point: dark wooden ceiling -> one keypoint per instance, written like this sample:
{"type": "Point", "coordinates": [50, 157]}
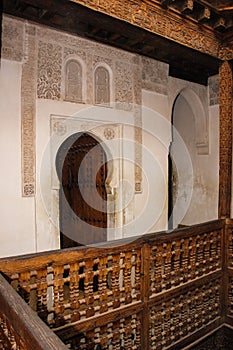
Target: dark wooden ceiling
{"type": "Point", "coordinates": [184, 62]}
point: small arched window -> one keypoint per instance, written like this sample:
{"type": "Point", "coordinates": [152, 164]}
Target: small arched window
{"type": "Point", "coordinates": [102, 86]}
{"type": "Point", "coordinates": [73, 86]}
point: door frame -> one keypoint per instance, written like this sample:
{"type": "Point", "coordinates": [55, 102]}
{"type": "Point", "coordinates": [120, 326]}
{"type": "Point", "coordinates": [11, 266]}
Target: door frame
{"type": "Point", "coordinates": [61, 129]}
{"type": "Point", "coordinates": [66, 147]}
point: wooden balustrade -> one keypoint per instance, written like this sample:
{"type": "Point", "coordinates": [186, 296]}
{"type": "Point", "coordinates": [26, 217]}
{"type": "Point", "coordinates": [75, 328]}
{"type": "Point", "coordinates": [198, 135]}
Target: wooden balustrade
{"type": "Point", "coordinates": [20, 327]}
{"type": "Point", "coordinates": [161, 291]}
{"type": "Point", "coordinates": [229, 273]}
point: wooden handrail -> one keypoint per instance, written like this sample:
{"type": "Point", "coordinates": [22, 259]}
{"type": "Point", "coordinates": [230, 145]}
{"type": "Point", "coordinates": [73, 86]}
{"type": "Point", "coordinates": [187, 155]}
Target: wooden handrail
{"type": "Point", "coordinates": [41, 260]}
{"type": "Point", "coordinates": [151, 292]}
{"type": "Point", "coordinates": [26, 326]}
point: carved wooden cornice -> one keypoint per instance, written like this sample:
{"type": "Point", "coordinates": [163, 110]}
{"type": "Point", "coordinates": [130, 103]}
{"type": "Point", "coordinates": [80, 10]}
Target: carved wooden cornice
{"type": "Point", "coordinates": [168, 23]}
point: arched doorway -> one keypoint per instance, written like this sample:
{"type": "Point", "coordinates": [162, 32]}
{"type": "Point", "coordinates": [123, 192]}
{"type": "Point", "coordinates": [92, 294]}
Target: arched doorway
{"type": "Point", "coordinates": [183, 135]}
{"type": "Point", "coordinates": [189, 161]}
{"type": "Point", "coordinates": [81, 164]}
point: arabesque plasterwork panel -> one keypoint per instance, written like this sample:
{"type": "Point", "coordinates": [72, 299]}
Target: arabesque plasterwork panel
{"type": "Point", "coordinates": [130, 74]}
{"type": "Point", "coordinates": [49, 70]}
{"type": "Point", "coordinates": [125, 79]}
{"type": "Point", "coordinates": [28, 111]}
{"type": "Point", "coordinates": [124, 86]}
{"type": "Point", "coordinates": [19, 45]}
{"type": "Point", "coordinates": [154, 75]}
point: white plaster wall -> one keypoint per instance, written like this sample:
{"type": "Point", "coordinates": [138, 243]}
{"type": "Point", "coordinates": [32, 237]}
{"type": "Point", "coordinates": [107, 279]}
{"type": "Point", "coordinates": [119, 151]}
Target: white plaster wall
{"type": "Point", "coordinates": [47, 144]}
{"type": "Point", "coordinates": [152, 203]}
{"type": "Point", "coordinates": [204, 193]}
{"type": "Point", "coordinates": [46, 225]}
{"type": "Point", "coordinates": [213, 169]}
{"type": "Point", "coordinates": [17, 233]}
{"type": "Point", "coordinates": [22, 233]}
{"type": "Point", "coordinates": [32, 228]}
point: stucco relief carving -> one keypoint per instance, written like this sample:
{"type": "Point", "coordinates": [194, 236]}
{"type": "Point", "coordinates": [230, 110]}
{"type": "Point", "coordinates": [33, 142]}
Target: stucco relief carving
{"type": "Point", "coordinates": [68, 52]}
{"type": "Point", "coordinates": [59, 127]}
{"type": "Point", "coordinates": [12, 39]}
{"type": "Point", "coordinates": [123, 86]}
{"type": "Point", "coordinates": [106, 52]}
{"type": "Point", "coordinates": [18, 44]}
{"type": "Point", "coordinates": [103, 87]}
{"type": "Point", "coordinates": [73, 81]}
{"type": "Point", "coordinates": [28, 110]}
{"type": "Point", "coordinates": [154, 75]}
{"type": "Point", "coordinates": [49, 71]}
{"type": "Point", "coordinates": [109, 133]}
{"type": "Point", "coordinates": [100, 59]}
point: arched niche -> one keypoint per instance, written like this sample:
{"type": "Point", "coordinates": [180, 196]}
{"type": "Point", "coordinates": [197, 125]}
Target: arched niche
{"type": "Point", "coordinates": [103, 85]}
{"type": "Point", "coordinates": [74, 80]}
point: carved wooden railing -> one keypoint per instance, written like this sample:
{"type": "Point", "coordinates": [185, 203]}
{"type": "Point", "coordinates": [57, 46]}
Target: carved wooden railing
{"type": "Point", "coordinates": [161, 291]}
{"type": "Point", "coordinates": [229, 273]}
{"type": "Point", "coordinates": [20, 327]}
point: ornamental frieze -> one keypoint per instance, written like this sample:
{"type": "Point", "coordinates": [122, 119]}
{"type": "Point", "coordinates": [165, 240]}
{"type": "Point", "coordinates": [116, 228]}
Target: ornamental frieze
{"type": "Point", "coordinates": [28, 112]}
{"type": "Point", "coordinates": [159, 21]}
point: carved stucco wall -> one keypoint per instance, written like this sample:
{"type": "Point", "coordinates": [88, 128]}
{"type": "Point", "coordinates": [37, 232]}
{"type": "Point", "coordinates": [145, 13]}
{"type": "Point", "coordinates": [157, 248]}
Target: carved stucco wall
{"type": "Point", "coordinates": [44, 52]}
{"type": "Point", "coordinates": [18, 44]}
{"type": "Point", "coordinates": [154, 76]}
{"type": "Point", "coordinates": [12, 39]}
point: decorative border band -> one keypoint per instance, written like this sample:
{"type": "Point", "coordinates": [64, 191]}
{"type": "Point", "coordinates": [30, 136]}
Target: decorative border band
{"type": "Point", "coordinates": [28, 111]}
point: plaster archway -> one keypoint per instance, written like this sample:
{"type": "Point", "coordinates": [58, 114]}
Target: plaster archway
{"type": "Point", "coordinates": [64, 128]}
{"type": "Point", "coordinates": [190, 121]}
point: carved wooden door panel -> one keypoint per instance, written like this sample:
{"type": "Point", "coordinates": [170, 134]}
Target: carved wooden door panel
{"type": "Point", "coordinates": [82, 169]}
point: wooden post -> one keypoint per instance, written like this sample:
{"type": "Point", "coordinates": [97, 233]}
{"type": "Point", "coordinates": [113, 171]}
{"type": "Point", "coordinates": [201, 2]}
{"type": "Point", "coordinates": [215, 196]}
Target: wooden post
{"type": "Point", "coordinates": [225, 142]}
{"type": "Point", "coordinates": [145, 289]}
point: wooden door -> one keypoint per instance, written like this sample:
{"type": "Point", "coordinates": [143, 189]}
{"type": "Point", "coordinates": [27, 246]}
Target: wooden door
{"type": "Point", "coordinates": [82, 170]}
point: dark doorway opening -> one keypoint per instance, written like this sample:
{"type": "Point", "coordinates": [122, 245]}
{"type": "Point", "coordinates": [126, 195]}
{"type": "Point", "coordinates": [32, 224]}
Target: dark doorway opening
{"type": "Point", "coordinates": [82, 170]}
